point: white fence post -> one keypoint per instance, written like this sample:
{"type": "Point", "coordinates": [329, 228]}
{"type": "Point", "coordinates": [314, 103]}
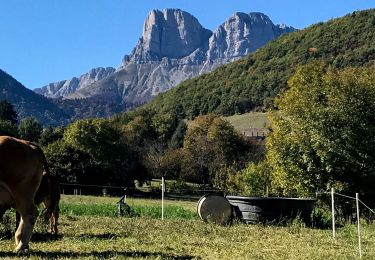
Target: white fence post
{"type": "Point", "coordinates": [162, 197]}
{"type": "Point", "coordinates": [333, 213]}
{"type": "Point", "coordinates": [358, 226]}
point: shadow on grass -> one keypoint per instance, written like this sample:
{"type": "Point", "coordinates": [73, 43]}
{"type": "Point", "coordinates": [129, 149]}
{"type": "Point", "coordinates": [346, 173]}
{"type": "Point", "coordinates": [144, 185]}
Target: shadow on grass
{"type": "Point", "coordinates": [99, 255]}
{"type": "Point", "coordinates": [104, 236]}
{"type": "Point", "coordinates": [36, 237]}
{"type": "Point", "coordinates": [45, 237]}
{"type": "Point", "coordinates": [6, 235]}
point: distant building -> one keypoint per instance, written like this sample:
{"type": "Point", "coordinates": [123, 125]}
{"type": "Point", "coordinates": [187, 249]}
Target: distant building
{"type": "Point", "coordinates": [255, 133]}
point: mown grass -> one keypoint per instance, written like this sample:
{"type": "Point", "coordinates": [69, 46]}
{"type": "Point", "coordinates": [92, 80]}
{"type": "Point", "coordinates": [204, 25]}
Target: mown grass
{"type": "Point", "coordinates": [248, 120]}
{"type": "Point", "coordinates": [94, 237]}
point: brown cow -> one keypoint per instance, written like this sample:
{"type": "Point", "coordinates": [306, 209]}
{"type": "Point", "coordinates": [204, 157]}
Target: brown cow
{"type": "Point", "coordinates": [21, 168]}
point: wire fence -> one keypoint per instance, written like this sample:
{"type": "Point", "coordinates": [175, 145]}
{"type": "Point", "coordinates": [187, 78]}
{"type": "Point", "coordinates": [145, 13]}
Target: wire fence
{"type": "Point", "coordinates": [195, 193]}
{"type": "Point", "coordinates": [146, 192]}
{"type": "Point", "coordinates": [358, 202]}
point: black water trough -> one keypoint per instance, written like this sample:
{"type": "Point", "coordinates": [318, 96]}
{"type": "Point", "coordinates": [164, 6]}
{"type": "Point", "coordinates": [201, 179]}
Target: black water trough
{"type": "Point", "coordinates": [271, 209]}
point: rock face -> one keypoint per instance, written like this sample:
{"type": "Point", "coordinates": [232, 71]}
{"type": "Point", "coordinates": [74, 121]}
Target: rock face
{"type": "Point", "coordinates": [66, 87]}
{"type": "Point", "coordinates": [174, 46]}
{"type": "Point", "coordinates": [242, 34]}
{"type": "Point", "coordinates": [172, 33]}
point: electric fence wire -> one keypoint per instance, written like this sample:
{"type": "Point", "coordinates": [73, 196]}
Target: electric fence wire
{"type": "Point", "coordinates": [372, 211]}
{"type": "Point", "coordinates": [348, 197]}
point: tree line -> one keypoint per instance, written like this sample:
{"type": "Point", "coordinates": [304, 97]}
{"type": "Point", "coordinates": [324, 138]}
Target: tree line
{"type": "Point", "coordinates": [137, 146]}
{"type": "Point", "coordinates": [321, 136]}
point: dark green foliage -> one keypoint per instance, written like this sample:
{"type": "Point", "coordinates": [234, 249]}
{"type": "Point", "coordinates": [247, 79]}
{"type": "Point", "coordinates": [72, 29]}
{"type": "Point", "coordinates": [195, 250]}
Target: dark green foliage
{"type": "Point", "coordinates": [253, 82]}
{"type": "Point", "coordinates": [50, 135]}
{"type": "Point", "coordinates": [211, 146]}
{"type": "Point", "coordinates": [178, 136]}
{"type": "Point", "coordinates": [111, 159]}
{"type": "Point", "coordinates": [8, 119]}
{"type": "Point", "coordinates": [7, 128]}
{"type": "Point", "coordinates": [7, 112]}
{"type": "Point", "coordinates": [89, 107]}
{"type": "Point", "coordinates": [30, 129]}
{"type": "Point", "coordinates": [67, 162]}
{"type": "Point", "coordinates": [150, 133]}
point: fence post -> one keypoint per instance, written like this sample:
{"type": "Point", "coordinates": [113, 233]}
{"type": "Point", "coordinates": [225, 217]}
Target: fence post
{"type": "Point", "coordinates": [333, 213]}
{"type": "Point", "coordinates": [358, 226]}
{"type": "Point", "coordinates": [162, 197]}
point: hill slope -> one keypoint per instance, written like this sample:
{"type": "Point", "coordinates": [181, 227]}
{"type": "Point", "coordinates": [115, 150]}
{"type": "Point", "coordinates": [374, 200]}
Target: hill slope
{"type": "Point", "coordinates": [28, 104]}
{"type": "Point", "coordinates": [252, 83]}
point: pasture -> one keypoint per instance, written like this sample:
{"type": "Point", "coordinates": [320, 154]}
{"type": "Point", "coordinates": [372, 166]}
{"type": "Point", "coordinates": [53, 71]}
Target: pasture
{"type": "Point", "coordinates": [248, 120]}
{"type": "Point", "coordinates": [95, 232]}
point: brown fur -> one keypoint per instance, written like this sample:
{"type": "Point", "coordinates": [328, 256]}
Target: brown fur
{"type": "Point", "coordinates": [21, 168]}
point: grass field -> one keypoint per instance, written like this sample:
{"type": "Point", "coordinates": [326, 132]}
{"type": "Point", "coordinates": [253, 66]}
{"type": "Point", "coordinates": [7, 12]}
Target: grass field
{"type": "Point", "coordinates": [86, 236]}
{"type": "Point", "coordinates": [248, 120]}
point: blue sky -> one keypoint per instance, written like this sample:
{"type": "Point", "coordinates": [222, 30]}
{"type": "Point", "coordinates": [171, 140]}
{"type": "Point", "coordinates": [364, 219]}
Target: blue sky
{"type": "Point", "coordinates": [43, 41]}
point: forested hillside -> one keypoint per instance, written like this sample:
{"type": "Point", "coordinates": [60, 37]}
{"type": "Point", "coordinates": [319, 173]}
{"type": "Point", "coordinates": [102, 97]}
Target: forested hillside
{"type": "Point", "coordinates": [253, 82]}
{"type": "Point", "coordinates": [29, 104]}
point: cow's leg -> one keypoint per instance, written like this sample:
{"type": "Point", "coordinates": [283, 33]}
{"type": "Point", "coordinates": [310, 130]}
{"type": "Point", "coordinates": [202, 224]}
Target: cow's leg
{"type": "Point", "coordinates": [18, 219]}
{"type": "Point", "coordinates": [54, 221]}
{"type": "Point", "coordinates": [29, 214]}
{"type": "Point", "coordinates": [51, 228]}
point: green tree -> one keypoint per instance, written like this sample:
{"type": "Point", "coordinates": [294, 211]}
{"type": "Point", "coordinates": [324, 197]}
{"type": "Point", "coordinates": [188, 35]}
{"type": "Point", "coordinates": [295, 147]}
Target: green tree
{"type": "Point", "coordinates": [8, 119]}
{"type": "Point", "coordinates": [70, 164]}
{"type": "Point", "coordinates": [7, 128]}
{"type": "Point", "coordinates": [30, 129]}
{"type": "Point", "coordinates": [178, 136]}
{"type": "Point", "coordinates": [7, 112]}
{"type": "Point", "coordinates": [323, 133]}
{"type": "Point", "coordinates": [254, 180]}
{"type": "Point", "coordinates": [50, 135]}
{"type": "Point", "coordinates": [112, 159]}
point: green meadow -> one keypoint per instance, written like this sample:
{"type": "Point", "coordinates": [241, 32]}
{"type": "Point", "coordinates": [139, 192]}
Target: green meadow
{"type": "Point", "coordinates": [96, 232]}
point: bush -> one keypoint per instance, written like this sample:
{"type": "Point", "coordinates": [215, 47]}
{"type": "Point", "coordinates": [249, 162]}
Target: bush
{"type": "Point", "coordinates": [321, 218]}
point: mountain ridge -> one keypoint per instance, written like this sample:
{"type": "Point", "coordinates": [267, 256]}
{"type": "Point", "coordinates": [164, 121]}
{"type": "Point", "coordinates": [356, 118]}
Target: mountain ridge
{"type": "Point", "coordinates": [29, 104]}
{"type": "Point", "coordinates": [173, 47]}
{"type": "Point", "coordinates": [252, 83]}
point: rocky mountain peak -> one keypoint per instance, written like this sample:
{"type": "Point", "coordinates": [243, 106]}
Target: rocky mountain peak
{"type": "Point", "coordinates": [173, 47]}
{"type": "Point", "coordinates": [170, 33]}
{"type": "Point", "coordinates": [66, 87]}
{"type": "Point", "coordinates": [242, 34]}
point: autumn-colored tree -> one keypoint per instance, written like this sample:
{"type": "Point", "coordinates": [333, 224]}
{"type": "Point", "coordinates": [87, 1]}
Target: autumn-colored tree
{"type": "Point", "coordinates": [210, 145]}
{"type": "Point", "coordinates": [323, 134]}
